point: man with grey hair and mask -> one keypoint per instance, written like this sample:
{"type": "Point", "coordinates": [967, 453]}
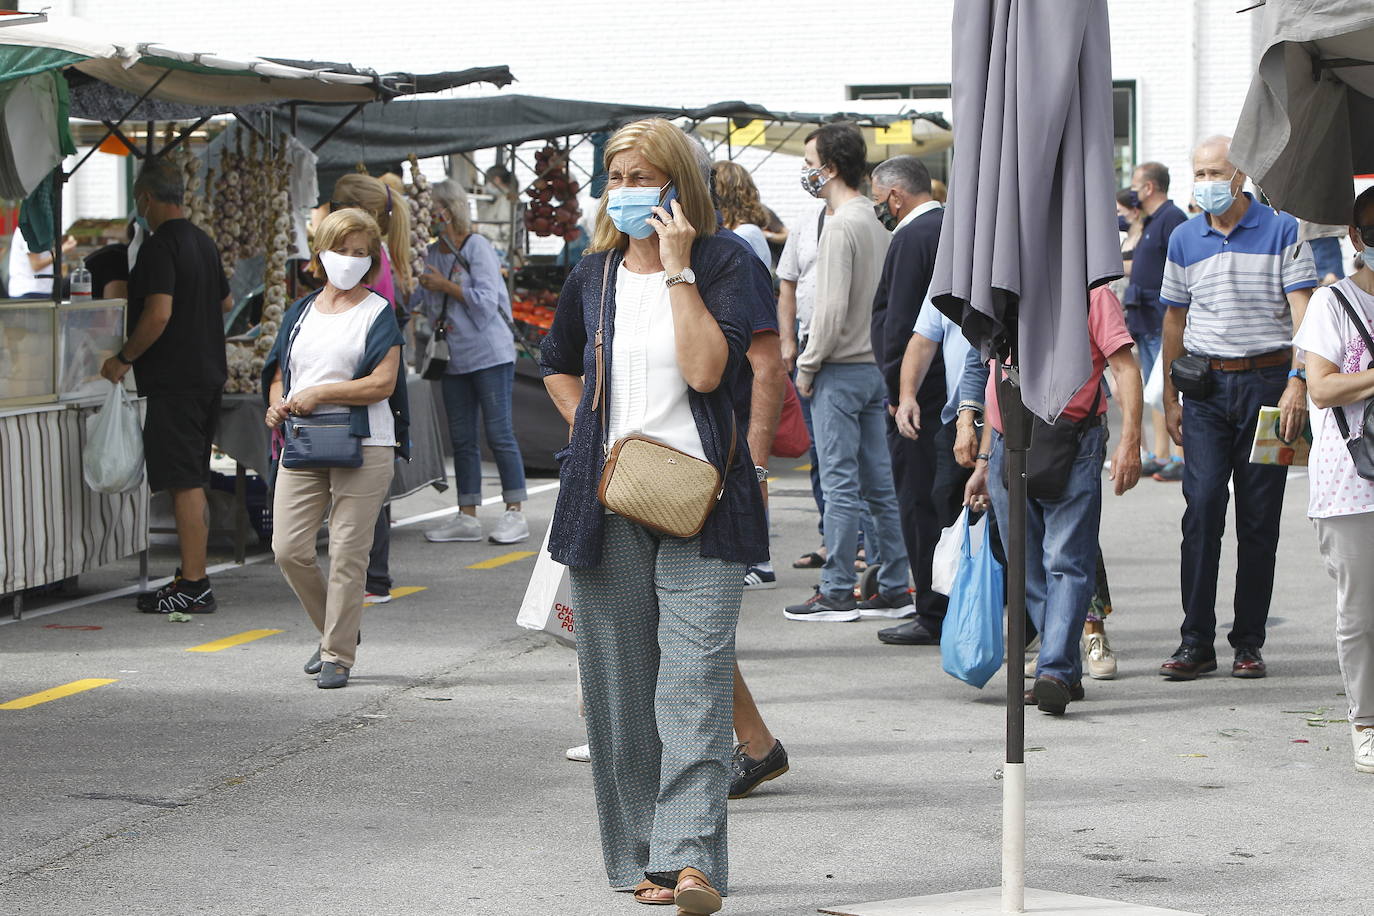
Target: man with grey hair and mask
{"type": "Point", "coordinates": [177, 296]}
{"type": "Point", "coordinates": [1235, 288]}
{"type": "Point", "coordinates": [901, 188]}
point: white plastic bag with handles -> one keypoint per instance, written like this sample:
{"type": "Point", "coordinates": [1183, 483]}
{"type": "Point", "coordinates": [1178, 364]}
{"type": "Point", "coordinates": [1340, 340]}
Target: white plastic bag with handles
{"type": "Point", "coordinates": [949, 551]}
{"type": "Point", "coordinates": [112, 461]}
{"type": "Point", "coordinates": [548, 598]}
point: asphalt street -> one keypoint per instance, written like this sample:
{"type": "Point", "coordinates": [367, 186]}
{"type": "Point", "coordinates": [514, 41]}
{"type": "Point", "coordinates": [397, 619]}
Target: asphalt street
{"type": "Point", "coordinates": [224, 782]}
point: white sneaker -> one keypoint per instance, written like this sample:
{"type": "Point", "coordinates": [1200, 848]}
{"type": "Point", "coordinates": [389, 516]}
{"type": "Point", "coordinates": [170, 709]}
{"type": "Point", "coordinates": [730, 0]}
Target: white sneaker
{"type": "Point", "coordinates": [1364, 749]}
{"type": "Point", "coordinates": [512, 529]}
{"type": "Point", "coordinates": [376, 598]}
{"type": "Point", "coordinates": [462, 528]}
{"type": "Point", "coordinates": [582, 753]}
{"type": "Point", "coordinates": [1097, 651]}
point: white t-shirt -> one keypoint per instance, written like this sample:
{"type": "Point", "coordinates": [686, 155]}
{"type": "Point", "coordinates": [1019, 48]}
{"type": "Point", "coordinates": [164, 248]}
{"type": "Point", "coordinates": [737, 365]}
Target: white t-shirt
{"type": "Point", "coordinates": [1327, 331]}
{"type": "Point", "coordinates": [798, 264]}
{"type": "Point", "coordinates": [648, 393]}
{"type": "Point", "coordinates": [22, 279]}
{"type": "Point", "coordinates": [329, 348]}
{"type": "Point", "coordinates": [754, 236]}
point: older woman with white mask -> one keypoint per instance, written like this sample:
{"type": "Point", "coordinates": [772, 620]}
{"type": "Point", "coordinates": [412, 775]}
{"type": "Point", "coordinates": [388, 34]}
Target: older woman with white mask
{"type": "Point", "coordinates": [335, 370]}
{"type": "Point", "coordinates": [1340, 383]}
{"type": "Point", "coordinates": [465, 298]}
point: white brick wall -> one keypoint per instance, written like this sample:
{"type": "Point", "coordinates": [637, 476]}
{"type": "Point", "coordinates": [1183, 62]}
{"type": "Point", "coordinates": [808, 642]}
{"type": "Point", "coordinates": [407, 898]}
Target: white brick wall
{"type": "Point", "coordinates": [1191, 59]}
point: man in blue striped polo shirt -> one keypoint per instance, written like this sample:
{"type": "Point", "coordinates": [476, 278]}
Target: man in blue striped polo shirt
{"type": "Point", "coordinates": [1236, 285]}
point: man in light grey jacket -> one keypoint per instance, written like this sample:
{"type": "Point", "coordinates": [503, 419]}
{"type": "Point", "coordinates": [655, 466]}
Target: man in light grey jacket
{"type": "Point", "coordinates": [838, 371]}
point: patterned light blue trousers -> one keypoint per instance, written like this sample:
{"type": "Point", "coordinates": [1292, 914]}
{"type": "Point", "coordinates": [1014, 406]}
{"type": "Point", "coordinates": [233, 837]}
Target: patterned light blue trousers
{"type": "Point", "coordinates": [656, 648]}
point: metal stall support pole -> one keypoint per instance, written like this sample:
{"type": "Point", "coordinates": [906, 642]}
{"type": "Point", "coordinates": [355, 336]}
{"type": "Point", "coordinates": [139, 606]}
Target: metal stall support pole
{"type": "Point", "coordinates": [1016, 423]}
{"type": "Point", "coordinates": [512, 196]}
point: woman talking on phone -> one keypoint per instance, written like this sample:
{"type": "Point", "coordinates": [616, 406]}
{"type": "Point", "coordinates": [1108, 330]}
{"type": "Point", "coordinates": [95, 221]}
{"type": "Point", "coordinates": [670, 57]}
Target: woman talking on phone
{"type": "Point", "coordinates": [650, 332]}
{"type": "Point", "coordinates": [331, 384]}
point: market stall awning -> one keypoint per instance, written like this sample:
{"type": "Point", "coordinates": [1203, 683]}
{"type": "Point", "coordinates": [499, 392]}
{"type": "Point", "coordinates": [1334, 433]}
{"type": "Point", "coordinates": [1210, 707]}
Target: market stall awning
{"type": "Point", "coordinates": [179, 76]}
{"type": "Point", "coordinates": [1307, 125]}
{"type": "Point", "coordinates": [890, 128]}
{"type": "Point", "coordinates": [383, 134]}
{"type": "Point", "coordinates": [380, 135]}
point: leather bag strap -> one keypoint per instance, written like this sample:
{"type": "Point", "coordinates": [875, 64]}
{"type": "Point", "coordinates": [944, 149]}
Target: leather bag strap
{"type": "Point", "coordinates": [1339, 412]}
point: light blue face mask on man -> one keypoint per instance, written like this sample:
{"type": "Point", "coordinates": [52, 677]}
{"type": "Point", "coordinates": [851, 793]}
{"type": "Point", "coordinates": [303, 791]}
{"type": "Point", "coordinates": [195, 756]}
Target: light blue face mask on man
{"type": "Point", "coordinates": [1214, 196]}
{"type": "Point", "coordinates": [632, 208]}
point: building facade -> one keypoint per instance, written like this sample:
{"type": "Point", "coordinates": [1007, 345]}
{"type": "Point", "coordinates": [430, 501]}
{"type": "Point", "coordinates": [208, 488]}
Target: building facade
{"type": "Point", "coordinates": [1181, 67]}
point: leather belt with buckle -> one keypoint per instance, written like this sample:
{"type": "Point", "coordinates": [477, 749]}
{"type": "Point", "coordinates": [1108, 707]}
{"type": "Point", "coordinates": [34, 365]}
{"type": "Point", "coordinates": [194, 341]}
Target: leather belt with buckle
{"type": "Point", "coordinates": [1248, 363]}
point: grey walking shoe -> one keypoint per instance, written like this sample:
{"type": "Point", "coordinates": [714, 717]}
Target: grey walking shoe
{"type": "Point", "coordinates": [313, 666]}
{"type": "Point", "coordinates": [512, 529]}
{"type": "Point", "coordinates": [462, 528]}
{"type": "Point", "coordinates": [332, 676]}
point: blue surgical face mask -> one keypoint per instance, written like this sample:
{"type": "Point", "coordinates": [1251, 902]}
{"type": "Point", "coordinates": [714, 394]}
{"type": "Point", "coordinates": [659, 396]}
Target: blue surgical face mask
{"type": "Point", "coordinates": [632, 208]}
{"type": "Point", "coordinates": [1214, 196]}
{"type": "Point", "coordinates": [1368, 257]}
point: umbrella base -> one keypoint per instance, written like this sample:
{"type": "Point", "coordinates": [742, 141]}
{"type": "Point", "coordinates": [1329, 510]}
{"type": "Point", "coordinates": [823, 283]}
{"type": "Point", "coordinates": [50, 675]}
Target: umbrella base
{"type": "Point", "coordinates": [988, 902]}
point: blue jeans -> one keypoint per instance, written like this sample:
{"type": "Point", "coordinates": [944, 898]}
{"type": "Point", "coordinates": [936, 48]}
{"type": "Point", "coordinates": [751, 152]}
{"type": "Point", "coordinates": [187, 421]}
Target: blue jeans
{"type": "Point", "coordinates": [1218, 432]}
{"type": "Point", "coordinates": [1061, 552]}
{"type": "Point", "coordinates": [856, 471]}
{"type": "Point", "coordinates": [490, 391]}
{"type": "Point", "coordinates": [1147, 348]}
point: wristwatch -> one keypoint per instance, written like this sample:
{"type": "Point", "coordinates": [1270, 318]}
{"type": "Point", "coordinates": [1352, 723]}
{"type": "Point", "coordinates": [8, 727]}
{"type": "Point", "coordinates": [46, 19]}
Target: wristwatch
{"type": "Point", "coordinates": [761, 473]}
{"type": "Point", "coordinates": [119, 355]}
{"type": "Point", "coordinates": [687, 276]}
{"type": "Point", "coordinates": [1300, 372]}
{"type": "Point", "coordinates": [982, 456]}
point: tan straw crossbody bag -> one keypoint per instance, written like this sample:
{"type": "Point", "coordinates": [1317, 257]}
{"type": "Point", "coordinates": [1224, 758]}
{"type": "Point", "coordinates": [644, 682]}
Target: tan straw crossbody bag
{"type": "Point", "coordinates": [647, 481]}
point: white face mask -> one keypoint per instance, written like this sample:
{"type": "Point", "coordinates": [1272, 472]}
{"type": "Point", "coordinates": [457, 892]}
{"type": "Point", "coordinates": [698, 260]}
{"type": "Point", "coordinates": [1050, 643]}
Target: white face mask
{"type": "Point", "coordinates": [344, 272]}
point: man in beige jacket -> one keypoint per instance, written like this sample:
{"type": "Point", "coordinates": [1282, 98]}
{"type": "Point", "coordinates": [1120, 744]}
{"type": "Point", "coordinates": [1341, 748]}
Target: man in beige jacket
{"type": "Point", "coordinates": [838, 371]}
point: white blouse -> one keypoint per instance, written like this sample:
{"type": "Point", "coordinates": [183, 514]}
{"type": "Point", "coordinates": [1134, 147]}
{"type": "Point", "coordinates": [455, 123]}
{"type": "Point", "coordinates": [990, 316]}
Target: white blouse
{"type": "Point", "coordinates": [648, 394]}
{"type": "Point", "coordinates": [329, 348]}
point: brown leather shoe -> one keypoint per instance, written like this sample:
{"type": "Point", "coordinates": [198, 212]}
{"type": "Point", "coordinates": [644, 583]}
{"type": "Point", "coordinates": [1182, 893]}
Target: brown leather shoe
{"type": "Point", "coordinates": [1075, 693]}
{"type": "Point", "coordinates": [1187, 663]}
{"type": "Point", "coordinates": [1248, 664]}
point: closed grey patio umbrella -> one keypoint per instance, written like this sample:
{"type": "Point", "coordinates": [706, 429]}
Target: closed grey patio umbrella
{"type": "Point", "coordinates": [1029, 229]}
{"type": "Point", "coordinates": [1307, 125]}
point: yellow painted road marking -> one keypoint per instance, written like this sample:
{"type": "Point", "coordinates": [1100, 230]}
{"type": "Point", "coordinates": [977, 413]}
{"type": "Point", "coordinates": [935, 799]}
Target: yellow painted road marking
{"type": "Point", "coordinates": [802, 467]}
{"type": "Point", "coordinates": [229, 642]}
{"type": "Point", "coordinates": [513, 557]}
{"type": "Point", "coordinates": [58, 693]}
{"type": "Point", "coordinates": [400, 593]}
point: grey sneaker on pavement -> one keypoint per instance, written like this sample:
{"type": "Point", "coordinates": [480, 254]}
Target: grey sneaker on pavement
{"type": "Point", "coordinates": [462, 528]}
{"type": "Point", "coordinates": [888, 607]}
{"type": "Point", "coordinates": [332, 676]}
{"type": "Point", "coordinates": [512, 529]}
{"type": "Point", "coordinates": [581, 754]}
{"type": "Point", "coordinates": [1363, 739]}
{"type": "Point", "coordinates": [823, 608]}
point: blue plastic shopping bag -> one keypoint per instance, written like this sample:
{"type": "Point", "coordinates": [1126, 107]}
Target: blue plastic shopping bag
{"type": "Point", "coordinates": [971, 644]}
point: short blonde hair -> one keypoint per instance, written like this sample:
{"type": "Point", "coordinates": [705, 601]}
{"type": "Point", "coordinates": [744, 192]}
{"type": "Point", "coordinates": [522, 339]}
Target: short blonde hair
{"type": "Point", "coordinates": [670, 151]}
{"type": "Point", "coordinates": [338, 226]}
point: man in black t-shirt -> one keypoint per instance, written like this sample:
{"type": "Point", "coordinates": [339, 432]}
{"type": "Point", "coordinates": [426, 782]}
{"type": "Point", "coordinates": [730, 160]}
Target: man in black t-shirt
{"type": "Point", "coordinates": [177, 296]}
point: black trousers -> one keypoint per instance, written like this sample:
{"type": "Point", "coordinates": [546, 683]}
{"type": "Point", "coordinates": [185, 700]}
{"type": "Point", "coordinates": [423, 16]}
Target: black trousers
{"type": "Point", "coordinates": [913, 473]}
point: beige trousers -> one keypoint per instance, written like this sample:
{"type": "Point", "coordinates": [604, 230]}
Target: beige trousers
{"type": "Point", "coordinates": [1345, 543]}
{"type": "Point", "coordinates": [352, 497]}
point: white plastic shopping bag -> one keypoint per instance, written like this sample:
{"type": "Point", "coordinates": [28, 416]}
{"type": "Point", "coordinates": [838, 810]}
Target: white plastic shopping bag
{"type": "Point", "coordinates": [548, 598]}
{"type": "Point", "coordinates": [1154, 387]}
{"type": "Point", "coordinates": [949, 551]}
{"type": "Point", "coordinates": [112, 461]}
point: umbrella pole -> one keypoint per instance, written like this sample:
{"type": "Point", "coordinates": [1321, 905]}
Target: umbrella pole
{"type": "Point", "coordinates": [1016, 425]}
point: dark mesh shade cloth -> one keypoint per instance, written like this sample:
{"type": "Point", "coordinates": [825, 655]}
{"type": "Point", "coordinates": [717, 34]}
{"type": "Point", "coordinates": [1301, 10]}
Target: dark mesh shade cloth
{"type": "Point", "coordinates": [1030, 226]}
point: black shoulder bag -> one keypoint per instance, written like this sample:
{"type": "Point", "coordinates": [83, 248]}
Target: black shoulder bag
{"type": "Point", "coordinates": [1053, 450]}
{"type": "Point", "coordinates": [321, 440]}
{"type": "Point", "coordinates": [1361, 449]}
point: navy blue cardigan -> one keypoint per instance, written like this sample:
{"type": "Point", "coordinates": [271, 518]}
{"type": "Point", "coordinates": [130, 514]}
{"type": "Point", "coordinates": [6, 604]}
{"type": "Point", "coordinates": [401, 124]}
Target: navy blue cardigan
{"type": "Point", "coordinates": [735, 531]}
{"type": "Point", "coordinates": [384, 334]}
